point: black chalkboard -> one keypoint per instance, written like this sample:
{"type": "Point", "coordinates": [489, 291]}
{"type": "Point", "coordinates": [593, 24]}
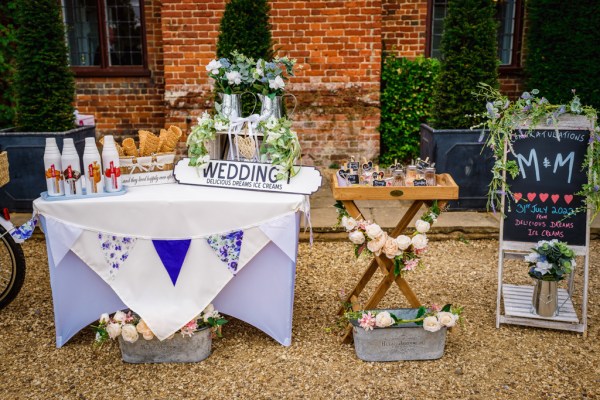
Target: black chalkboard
{"type": "Point", "coordinates": [550, 175]}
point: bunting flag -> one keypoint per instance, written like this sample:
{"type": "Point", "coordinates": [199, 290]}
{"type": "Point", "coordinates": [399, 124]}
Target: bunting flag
{"type": "Point", "coordinates": [25, 231]}
{"type": "Point", "coordinates": [227, 247]}
{"type": "Point", "coordinates": [115, 249]}
{"type": "Point", "coordinates": [172, 254]}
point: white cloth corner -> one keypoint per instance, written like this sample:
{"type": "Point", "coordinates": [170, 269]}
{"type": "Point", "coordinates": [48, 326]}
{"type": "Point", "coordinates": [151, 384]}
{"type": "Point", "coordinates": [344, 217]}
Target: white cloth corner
{"type": "Point", "coordinates": [279, 232]}
{"type": "Point", "coordinates": [60, 237]}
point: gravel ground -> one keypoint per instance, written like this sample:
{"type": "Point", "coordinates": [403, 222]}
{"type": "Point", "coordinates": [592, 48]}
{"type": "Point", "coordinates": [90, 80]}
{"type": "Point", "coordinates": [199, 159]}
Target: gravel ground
{"type": "Point", "coordinates": [480, 362]}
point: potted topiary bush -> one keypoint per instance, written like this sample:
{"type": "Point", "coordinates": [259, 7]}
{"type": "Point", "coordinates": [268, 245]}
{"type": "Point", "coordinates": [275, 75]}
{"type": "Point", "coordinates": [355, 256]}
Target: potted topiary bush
{"type": "Point", "coordinates": [44, 90]}
{"type": "Point", "coordinates": [469, 56]}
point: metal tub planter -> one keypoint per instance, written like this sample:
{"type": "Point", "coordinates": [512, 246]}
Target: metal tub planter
{"type": "Point", "coordinates": [407, 341]}
{"type": "Point", "coordinates": [179, 349]}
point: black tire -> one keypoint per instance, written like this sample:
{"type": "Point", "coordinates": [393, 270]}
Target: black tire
{"type": "Point", "coordinates": [12, 268]}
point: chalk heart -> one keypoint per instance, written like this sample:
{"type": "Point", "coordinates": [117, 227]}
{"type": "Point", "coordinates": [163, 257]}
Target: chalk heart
{"type": "Point", "coordinates": [568, 198]}
{"type": "Point", "coordinates": [555, 198]}
{"type": "Point", "coordinates": [543, 197]}
{"type": "Point", "coordinates": [517, 196]}
{"type": "Point", "coordinates": [531, 196]}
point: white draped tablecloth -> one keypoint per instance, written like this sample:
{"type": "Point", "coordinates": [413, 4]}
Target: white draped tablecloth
{"type": "Point", "coordinates": [167, 251]}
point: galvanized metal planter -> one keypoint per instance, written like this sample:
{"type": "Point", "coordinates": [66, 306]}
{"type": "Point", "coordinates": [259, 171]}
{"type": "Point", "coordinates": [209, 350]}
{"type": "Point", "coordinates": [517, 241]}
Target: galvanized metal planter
{"type": "Point", "coordinates": [179, 349]}
{"type": "Point", "coordinates": [545, 298]}
{"type": "Point", "coordinates": [399, 343]}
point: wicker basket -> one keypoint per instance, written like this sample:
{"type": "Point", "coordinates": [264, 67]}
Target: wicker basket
{"type": "Point", "coordinates": [4, 176]}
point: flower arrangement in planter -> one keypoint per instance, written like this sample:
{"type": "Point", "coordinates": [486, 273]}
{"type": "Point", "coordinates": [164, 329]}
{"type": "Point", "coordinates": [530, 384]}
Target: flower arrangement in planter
{"type": "Point", "coordinates": [269, 77]}
{"type": "Point", "coordinates": [192, 342]}
{"type": "Point", "coordinates": [402, 334]}
{"type": "Point", "coordinates": [280, 145]}
{"type": "Point", "coordinates": [506, 119]}
{"type": "Point", "coordinates": [551, 260]}
{"type": "Point", "coordinates": [405, 251]}
{"type": "Point", "coordinates": [232, 76]}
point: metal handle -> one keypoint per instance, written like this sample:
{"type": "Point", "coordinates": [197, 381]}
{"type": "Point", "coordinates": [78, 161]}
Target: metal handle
{"type": "Point", "coordinates": [255, 100]}
{"type": "Point", "coordinates": [295, 102]}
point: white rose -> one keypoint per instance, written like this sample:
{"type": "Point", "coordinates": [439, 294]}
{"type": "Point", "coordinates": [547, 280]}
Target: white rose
{"type": "Point", "coordinates": [272, 136]}
{"type": "Point", "coordinates": [391, 248]}
{"type": "Point", "coordinates": [349, 223]}
{"type": "Point", "coordinates": [431, 324]}
{"type": "Point", "coordinates": [104, 318]}
{"type": "Point", "coordinates": [113, 330]}
{"type": "Point", "coordinates": [384, 319]}
{"type": "Point", "coordinates": [376, 245]}
{"type": "Point", "coordinates": [403, 242]}
{"type": "Point", "coordinates": [532, 257]}
{"type": "Point", "coordinates": [422, 226]}
{"type": "Point", "coordinates": [373, 231]}
{"type": "Point", "coordinates": [208, 312]}
{"type": "Point", "coordinates": [213, 67]}
{"type": "Point", "coordinates": [129, 333]}
{"type": "Point", "coordinates": [271, 123]}
{"type": "Point", "coordinates": [446, 319]}
{"type": "Point", "coordinates": [221, 126]}
{"type": "Point", "coordinates": [276, 83]}
{"type": "Point", "coordinates": [233, 77]}
{"type": "Point", "coordinates": [356, 237]}
{"type": "Point", "coordinates": [419, 241]}
{"type": "Point", "coordinates": [119, 316]}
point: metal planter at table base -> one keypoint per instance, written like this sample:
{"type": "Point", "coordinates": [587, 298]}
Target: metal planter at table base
{"type": "Point", "coordinates": [179, 349]}
{"type": "Point", "coordinates": [545, 298]}
{"type": "Point", "coordinates": [399, 343]}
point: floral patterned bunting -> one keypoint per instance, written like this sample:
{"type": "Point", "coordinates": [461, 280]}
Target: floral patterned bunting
{"type": "Point", "coordinates": [25, 231]}
{"type": "Point", "coordinates": [227, 247]}
{"type": "Point", "coordinates": [115, 249]}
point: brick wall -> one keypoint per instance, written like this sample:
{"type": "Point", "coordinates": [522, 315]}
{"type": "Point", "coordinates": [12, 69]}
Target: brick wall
{"type": "Point", "coordinates": [404, 27]}
{"type": "Point", "coordinates": [122, 105]}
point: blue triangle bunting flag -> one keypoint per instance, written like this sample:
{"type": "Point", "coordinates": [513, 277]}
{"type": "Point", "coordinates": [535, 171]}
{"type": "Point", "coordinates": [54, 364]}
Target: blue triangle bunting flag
{"type": "Point", "coordinates": [172, 254]}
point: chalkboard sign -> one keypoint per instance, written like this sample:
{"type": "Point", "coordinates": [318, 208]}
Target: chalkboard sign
{"type": "Point", "coordinates": [353, 179]}
{"type": "Point", "coordinates": [419, 182]}
{"type": "Point", "coordinates": [377, 182]}
{"type": "Point", "coordinates": [544, 191]}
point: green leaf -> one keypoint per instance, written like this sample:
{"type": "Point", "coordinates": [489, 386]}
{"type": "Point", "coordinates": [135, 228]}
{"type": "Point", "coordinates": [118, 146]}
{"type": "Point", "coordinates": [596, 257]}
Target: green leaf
{"type": "Point", "coordinates": [421, 312]}
{"type": "Point", "coordinates": [447, 308]}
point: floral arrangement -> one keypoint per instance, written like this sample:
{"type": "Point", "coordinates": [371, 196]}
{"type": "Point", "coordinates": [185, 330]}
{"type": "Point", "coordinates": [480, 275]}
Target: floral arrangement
{"type": "Point", "coordinates": [432, 318]}
{"type": "Point", "coordinates": [242, 73]}
{"type": "Point", "coordinates": [405, 251]}
{"type": "Point", "coordinates": [130, 326]}
{"type": "Point", "coordinates": [280, 145]}
{"type": "Point", "coordinates": [550, 260]}
{"type": "Point", "coordinates": [505, 119]}
{"type": "Point", "coordinates": [269, 76]}
{"type": "Point", "coordinates": [204, 131]}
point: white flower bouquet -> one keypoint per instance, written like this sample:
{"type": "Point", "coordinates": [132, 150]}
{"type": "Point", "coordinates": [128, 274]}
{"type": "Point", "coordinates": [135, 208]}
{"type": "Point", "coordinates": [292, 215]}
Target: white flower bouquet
{"type": "Point", "coordinates": [232, 76]}
{"type": "Point", "coordinates": [270, 77]}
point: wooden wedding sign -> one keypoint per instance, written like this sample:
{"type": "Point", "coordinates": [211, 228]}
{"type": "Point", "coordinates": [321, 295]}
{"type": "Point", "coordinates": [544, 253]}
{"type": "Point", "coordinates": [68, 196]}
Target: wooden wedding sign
{"type": "Point", "coordinates": [545, 206]}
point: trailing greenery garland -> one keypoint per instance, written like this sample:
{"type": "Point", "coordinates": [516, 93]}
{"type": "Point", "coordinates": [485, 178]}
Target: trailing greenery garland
{"type": "Point", "coordinates": [506, 119]}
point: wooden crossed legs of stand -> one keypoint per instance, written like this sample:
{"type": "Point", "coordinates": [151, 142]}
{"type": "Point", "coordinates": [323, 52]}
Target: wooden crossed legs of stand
{"type": "Point", "coordinates": [384, 264]}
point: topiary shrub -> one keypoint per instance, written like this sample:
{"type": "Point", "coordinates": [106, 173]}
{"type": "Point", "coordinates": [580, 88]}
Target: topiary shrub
{"type": "Point", "coordinates": [562, 49]}
{"type": "Point", "coordinates": [43, 82]}
{"type": "Point", "coordinates": [406, 103]}
{"type": "Point", "coordinates": [469, 56]}
{"type": "Point", "coordinates": [7, 48]}
{"type": "Point", "coordinates": [245, 27]}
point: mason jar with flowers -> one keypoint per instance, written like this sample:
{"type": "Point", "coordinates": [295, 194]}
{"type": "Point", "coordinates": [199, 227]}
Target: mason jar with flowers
{"type": "Point", "coordinates": [549, 263]}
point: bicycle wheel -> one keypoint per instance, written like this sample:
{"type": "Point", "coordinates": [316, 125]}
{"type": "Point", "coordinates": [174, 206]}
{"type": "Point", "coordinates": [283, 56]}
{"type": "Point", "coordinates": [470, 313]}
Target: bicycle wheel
{"type": "Point", "coordinates": [12, 268]}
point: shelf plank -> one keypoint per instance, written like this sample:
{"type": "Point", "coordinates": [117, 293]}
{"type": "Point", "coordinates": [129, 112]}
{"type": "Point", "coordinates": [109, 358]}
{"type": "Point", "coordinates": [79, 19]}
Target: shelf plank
{"type": "Point", "coordinates": [517, 303]}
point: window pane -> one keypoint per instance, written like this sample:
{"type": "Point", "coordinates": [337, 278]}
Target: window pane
{"type": "Point", "coordinates": [505, 14]}
{"type": "Point", "coordinates": [81, 19]}
{"type": "Point", "coordinates": [124, 30]}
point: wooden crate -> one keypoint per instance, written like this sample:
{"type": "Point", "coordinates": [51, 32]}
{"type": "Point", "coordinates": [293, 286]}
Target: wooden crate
{"type": "Point", "coordinates": [446, 189]}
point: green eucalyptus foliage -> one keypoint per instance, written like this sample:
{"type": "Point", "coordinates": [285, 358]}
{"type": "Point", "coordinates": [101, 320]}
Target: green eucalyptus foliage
{"type": "Point", "coordinates": [562, 49]}
{"type": "Point", "coordinates": [7, 45]}
{"type": "Point", "coordinates": [43, 82]}
{"type": "Point", "coordinates": [469, 56]}
{"type": "Point", "coordinates": [406, 103]}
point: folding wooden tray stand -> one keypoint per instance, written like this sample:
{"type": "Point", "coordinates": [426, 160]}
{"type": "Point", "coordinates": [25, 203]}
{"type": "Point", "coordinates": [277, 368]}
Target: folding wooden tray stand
{"type": "Point", "coordinates": [446, 189]}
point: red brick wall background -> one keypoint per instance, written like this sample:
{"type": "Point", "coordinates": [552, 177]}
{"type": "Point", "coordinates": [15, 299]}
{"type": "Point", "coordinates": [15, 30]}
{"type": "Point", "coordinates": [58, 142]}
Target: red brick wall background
{"type": "Point", "coordinates": [338, 45]}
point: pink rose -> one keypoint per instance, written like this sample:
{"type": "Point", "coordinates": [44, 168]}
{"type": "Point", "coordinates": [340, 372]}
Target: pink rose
{"type": "Point", "coordinates": [376, 245]}
{"type": "Point", "coordinates": [367, 321]}
{"type": "Point", "coordinates": [390, 249]}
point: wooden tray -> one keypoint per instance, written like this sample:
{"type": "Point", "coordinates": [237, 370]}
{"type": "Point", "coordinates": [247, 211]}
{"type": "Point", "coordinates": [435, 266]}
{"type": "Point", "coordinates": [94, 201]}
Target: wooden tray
{"type": "Point", "coordinates": [446, 189]}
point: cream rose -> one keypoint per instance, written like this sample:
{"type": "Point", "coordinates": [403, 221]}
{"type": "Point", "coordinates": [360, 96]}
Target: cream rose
{"type": "Point", "coordinates": [431, 324]}
{"type": "Point", "coordinates": [390, 249]}
{"type": "Point", "coordinates": [119, 316]}
{"type": "Point", "coordinates": [403, 242]}
{"type": "Point", "coordinates": [422, 226]}
{"type": "Point", "coordinates": [113, 330]}
{"type": "Point", "coordinates": [144, 330]}
{"type": "Point", "coordinates": [208, 312]}
{"type": "Point", "coordinates": [356, 237]}
{"type": "Point", "coordinates": [148, 335]}
{"type": "Point", "coordinates": [104, 318]}
{"type": "Point", "coordinates": [384, 319]}
{"type": "Point", "coordinates": [129, 333]}
{"type": "Point", "coordinates": [446, 319]}
{"type": "Point", "coordinates": [419, 241]}
{"type": "Point", "coordinates": [373, 231]}
{"type": "Point", "coordinates": [376, 245]}
{"type": "Point", "coordinates": [349, 223]}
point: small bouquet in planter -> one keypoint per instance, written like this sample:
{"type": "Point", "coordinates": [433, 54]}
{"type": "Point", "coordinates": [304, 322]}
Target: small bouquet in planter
{"type": "Point", "coordinates": [551, 260]}
{"type": "Point", "coordinates": [432, 318]}
{"type": "Point", "coordinates": [269, 76]}
{"type": "Point", "coordinates": [232, 76]}
{"type": "Point", "coordinates": [129, 326]}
